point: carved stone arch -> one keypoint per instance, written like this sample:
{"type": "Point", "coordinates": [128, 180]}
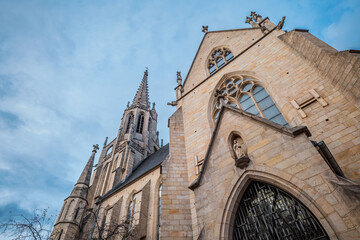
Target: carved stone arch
{"type": "Point", "coordinates": [225, 77]}
{"type": "Point", "coordinates": [81, 206]}
{"type": "Point", "coordinates": [129, 198]}
{"type": "Point", "coordinates": [68, 210]}
{"type": "Point", "coordinates": [291, 185]}
{"type": "Point", "coordinates": [110, 147]}
{"type": "Point", "coordinates": [255, 78]}
{"type": "Point", "coordinates": [206, 64]}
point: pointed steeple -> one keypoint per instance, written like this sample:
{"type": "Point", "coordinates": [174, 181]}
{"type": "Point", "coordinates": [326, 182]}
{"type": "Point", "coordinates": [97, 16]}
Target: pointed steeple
{"type": "Point", "coordinates": [85, 176]}
{"type": "Point", "coordinates": [141, 98]}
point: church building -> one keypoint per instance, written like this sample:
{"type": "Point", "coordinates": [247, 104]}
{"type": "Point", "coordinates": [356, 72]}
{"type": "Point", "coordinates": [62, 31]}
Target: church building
{"type": "Point", "coordinates": [264, 143]}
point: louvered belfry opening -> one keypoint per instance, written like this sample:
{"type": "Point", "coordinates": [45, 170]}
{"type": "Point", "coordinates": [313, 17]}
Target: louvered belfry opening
{"type": "Point", "coordinates": [267, 212]}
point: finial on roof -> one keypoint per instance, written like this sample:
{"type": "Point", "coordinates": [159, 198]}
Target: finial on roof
{"type": "Point", "coordinates": [85, 175]}
{"type": "Point", "coordinates": [178, 78]}
{"type": "Point", "coordinates": [256, 17]}
{"type": "Point", "coordinates": [251, 21]}
{"type": "Point", "coordinates": [153, 106]}
{"type": "Point", "coordinates": [205, 29]}
{"type": "Point", "coordinates": [96, 147]}
{"type": "Point", "coordinates": [105, 141]}
{"type": "Point", "coordinates": [281, 23]}
{"type": "Point", "coordinates": [141, 98]}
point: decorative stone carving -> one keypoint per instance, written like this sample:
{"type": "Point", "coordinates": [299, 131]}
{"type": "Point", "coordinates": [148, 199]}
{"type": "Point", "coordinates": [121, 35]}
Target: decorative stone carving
{"type": "Point", "coordinates": [205, 29]}
{"type": "Point", "coordinates": [281, 23]}
{"type": "Point", "coordinates": [96, 147]}
{"type": "Point", "coordinates": [256, 17]}
{"type": "Point", "coordinates": [178, 78]}
{"type": "Point", "coordinates": [240, 153]}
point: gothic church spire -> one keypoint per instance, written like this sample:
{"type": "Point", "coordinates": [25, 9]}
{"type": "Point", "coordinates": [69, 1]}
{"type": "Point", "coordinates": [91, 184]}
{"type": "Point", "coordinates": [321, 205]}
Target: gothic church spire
{"type": "Point", "coordinates": [141, 98]}
{"type": "Point", "coordinates": [85, 176]}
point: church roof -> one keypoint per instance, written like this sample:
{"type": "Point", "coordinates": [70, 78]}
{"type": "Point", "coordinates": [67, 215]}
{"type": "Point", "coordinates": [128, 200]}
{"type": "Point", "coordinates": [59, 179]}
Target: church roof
{"type": "Point", "coordinates": [142, 168]}
{"type": "Point", "coordinates": [141, 98]}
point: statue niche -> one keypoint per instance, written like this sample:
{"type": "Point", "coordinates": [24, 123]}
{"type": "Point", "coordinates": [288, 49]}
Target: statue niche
{"type": "Point", "coordinates": [239, 151]}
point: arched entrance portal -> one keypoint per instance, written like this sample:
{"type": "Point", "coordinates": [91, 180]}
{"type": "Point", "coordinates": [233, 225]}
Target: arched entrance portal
{"type": "Point", "coordinates": [267, 212]}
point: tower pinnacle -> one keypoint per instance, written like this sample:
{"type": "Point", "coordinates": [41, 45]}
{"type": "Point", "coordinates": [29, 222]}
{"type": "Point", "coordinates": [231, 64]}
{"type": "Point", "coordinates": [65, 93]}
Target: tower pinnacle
{"type": "Point", "coordinates": [141, 98]}
{"type": "Point", "coordinates": [86, 174]}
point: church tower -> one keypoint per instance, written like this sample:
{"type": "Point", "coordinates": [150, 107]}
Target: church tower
{"type": "Point", "coordinates": [68, 223]}
{"type": "Point", "coordinates": [136, 139]}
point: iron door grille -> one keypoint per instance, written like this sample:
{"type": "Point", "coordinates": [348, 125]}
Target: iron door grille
{"type": "Point", "coordinates": [267, 212]}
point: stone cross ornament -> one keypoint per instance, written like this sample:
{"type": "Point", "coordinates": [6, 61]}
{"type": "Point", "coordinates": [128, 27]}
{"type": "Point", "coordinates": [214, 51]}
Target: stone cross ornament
{"type": "Point", "coordinates": [205, 29]}
{"type": "Point", "coordinates": [96, 147]}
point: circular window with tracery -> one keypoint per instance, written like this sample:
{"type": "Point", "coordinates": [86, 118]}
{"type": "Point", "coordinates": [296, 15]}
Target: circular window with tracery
{"type": "Point", "coordinates": [245, 93]}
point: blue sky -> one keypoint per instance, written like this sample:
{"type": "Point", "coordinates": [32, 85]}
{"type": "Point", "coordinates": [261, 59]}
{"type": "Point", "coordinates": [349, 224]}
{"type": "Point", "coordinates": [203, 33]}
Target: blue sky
{"type": "Point", "coordinates": [68, 68]}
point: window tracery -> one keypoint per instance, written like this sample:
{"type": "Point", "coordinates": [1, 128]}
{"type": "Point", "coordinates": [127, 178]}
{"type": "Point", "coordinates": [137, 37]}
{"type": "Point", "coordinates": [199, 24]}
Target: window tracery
{"type": "Point", "coordinates": [219, 58]}
{"type": "Point", "coordinates": [268, 212]}
{"type": "Point", "coordinates": [246, 93]}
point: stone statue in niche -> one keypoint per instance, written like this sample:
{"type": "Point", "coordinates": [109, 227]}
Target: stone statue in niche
{"type": "Point", "coordinates": [239, 151]}
{"type": "Point", "coordinates": [239, 148]}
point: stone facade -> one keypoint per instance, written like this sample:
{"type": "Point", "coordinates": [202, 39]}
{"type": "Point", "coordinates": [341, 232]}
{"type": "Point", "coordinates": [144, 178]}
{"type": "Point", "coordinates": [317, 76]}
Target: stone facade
{"type": "Point", "coordinates": [193, 187]}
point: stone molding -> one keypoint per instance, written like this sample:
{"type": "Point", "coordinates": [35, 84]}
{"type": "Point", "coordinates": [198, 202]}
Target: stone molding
{"type": "Point", "coordinates": [293, 132]}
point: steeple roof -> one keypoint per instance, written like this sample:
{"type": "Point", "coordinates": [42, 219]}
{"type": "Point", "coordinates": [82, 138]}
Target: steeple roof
{"type": "Point", "coordinates": [79, 189]}
{"type": "Point", "coordinates": [141, 98]}
{"type": "Point", "coordinates": [86, 174]}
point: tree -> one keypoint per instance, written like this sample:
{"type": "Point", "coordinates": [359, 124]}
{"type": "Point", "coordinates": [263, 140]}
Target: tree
{"type": "Point", "coordinates": [101, 230]}
{"type": "Point", "coordinates": [39, 226]}
{"type": "Point", "coordinates": [35, 227]}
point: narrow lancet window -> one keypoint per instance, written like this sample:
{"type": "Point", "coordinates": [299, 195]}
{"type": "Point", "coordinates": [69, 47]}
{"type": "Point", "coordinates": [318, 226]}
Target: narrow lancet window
{"type": "Point", "coordinates": [130, 119]}
{"type": "Point", "coordinates": [130, 213]}
{"type": "Point", "coordinates": [140, 123]}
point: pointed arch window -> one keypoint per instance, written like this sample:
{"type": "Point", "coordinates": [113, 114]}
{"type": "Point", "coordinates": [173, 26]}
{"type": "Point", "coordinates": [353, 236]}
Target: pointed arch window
{"type": "Point", "coordinates": [130, 119]}
{"type": "Point", "coordinates": [130, 213]}
{"type": "Point", "coordinates": [246, 93]}
{"type": "Point", "coordinates": [149, 125]}
{"type": "Point", "coordinates": [267, 212]}
{"type": "Point", "coordinates": [140, 124]}
{"type": "Point", "coordinates": [219, 57]}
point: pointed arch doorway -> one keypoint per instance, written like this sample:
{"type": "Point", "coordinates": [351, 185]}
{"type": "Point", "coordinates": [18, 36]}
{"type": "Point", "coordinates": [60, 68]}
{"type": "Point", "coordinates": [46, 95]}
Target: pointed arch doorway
{"type": "Point", "coordinates": [267, 212]}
